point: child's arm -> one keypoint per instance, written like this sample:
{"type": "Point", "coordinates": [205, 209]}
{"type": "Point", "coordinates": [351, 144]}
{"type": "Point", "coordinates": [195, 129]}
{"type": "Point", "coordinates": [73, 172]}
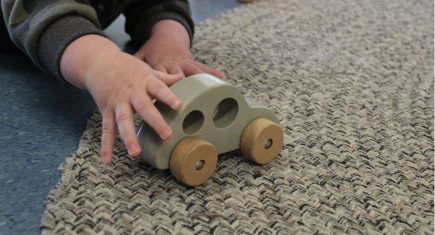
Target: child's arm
{"type": "Point", "coordinates": [120, 85]}
{"type": "Point", "coordinates": [167, 50]}
{"type": "Point", "coordinates": [43, 28]}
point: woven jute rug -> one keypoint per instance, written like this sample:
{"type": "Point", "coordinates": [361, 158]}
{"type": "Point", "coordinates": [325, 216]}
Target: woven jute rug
{"type": "Point", "coordinates": [352, 84]}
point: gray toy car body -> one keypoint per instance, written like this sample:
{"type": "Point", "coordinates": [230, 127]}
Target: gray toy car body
{"type": "Point", "coordinates": [212, 110]}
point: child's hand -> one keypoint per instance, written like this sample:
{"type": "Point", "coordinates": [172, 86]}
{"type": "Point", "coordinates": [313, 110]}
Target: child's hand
{"type": "Point", "coordinates": [120, 85]}
{"type": "Point", "coordinates": [167, 51]}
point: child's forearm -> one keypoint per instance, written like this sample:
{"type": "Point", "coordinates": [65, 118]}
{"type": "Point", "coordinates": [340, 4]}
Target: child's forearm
{"type": "Point", "coordinates": [82, 56]}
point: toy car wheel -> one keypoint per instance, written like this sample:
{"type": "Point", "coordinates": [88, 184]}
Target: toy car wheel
{"type": "Point", "coordinates": [193, 161]}
{"type": "Point", "coordinates": [262, 141]}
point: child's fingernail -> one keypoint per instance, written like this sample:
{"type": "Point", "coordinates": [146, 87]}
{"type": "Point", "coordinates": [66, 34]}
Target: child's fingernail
{"type": "Point", "coordinates": [165, 133]}
{"type": "Point", "coordinates": [132, 149]}
{"type": "Point", "coordinates": [176, 104]}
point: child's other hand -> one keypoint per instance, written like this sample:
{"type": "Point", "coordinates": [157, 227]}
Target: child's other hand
{"type": "Point", "coordinates": [167, 51]}
{"type": "Point", "coordinates": [120, 85]}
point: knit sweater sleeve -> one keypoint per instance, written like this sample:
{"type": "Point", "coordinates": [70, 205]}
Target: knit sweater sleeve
{"type": "Point", "coordinates": [44, 28]}
{"type": "Point", "coordinates": [141, 15]}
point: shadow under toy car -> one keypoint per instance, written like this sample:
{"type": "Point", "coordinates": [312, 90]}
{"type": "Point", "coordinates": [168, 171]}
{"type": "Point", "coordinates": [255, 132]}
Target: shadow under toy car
{"type": "Point", "coordinates": [215, 118]}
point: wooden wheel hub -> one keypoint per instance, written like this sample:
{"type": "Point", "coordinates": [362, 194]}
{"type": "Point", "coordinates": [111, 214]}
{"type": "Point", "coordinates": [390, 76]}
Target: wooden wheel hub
{"type": "Point", "coordinates": [262, 141]}
{"type": "Point", "coordinates": [193, 161]}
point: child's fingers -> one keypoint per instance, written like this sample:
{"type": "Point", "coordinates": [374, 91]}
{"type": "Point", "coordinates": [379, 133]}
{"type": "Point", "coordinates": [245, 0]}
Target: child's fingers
{"type": "Point", "coordinates": [161, 92]}
{"type": "Point", "coordinates": [145, 107]}
{"type": "Point", "coordinates": [108, 136]}
{"type": "Point", "coordinates": [125, 122]}
{"type": "Point", "coordinates": [175, 70]}
{"type": "Point", "coordinates": [191, 69]}
{"type": "Point", "coordinates": [161, 69]}
{"type": "Point", "coordinates": [209, 70]}
{"type": "Point", "coordinates": [168, 79]}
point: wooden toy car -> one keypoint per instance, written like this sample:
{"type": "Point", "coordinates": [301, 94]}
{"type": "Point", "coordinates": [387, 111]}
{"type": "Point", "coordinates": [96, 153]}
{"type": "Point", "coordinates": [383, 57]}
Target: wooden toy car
{"type": "Point", "coordinates": [215, 118]}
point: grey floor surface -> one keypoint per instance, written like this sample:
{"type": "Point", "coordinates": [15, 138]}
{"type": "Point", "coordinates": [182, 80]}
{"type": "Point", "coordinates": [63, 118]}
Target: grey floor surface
{"type": "Point", "coordinates": [41, 122]}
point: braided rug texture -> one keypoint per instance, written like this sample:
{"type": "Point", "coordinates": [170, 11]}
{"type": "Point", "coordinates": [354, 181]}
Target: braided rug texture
{"type": "Point", "coordinates": [352, 84]}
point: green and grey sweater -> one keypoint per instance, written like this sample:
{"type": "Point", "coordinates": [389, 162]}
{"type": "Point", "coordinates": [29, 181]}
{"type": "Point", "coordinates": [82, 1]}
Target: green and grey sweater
{"type": "Point", "coordinates": [44, 28]}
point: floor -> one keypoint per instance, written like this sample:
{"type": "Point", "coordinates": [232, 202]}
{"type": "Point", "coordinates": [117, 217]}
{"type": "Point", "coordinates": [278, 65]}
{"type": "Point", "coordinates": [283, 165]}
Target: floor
{"type": "Point", "coordinates": [41, 122]}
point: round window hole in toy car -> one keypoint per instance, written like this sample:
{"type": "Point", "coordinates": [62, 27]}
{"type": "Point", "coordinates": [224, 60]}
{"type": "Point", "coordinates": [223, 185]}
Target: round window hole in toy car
{"type": "Point", "coordinates": [225, 113]}
{"type": "Point", "coordinates": [193, 122]}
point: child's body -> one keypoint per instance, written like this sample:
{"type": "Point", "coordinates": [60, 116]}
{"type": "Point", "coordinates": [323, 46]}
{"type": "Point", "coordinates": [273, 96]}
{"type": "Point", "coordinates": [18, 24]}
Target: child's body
{"type": "Point", "coordinates": [72, 47]}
